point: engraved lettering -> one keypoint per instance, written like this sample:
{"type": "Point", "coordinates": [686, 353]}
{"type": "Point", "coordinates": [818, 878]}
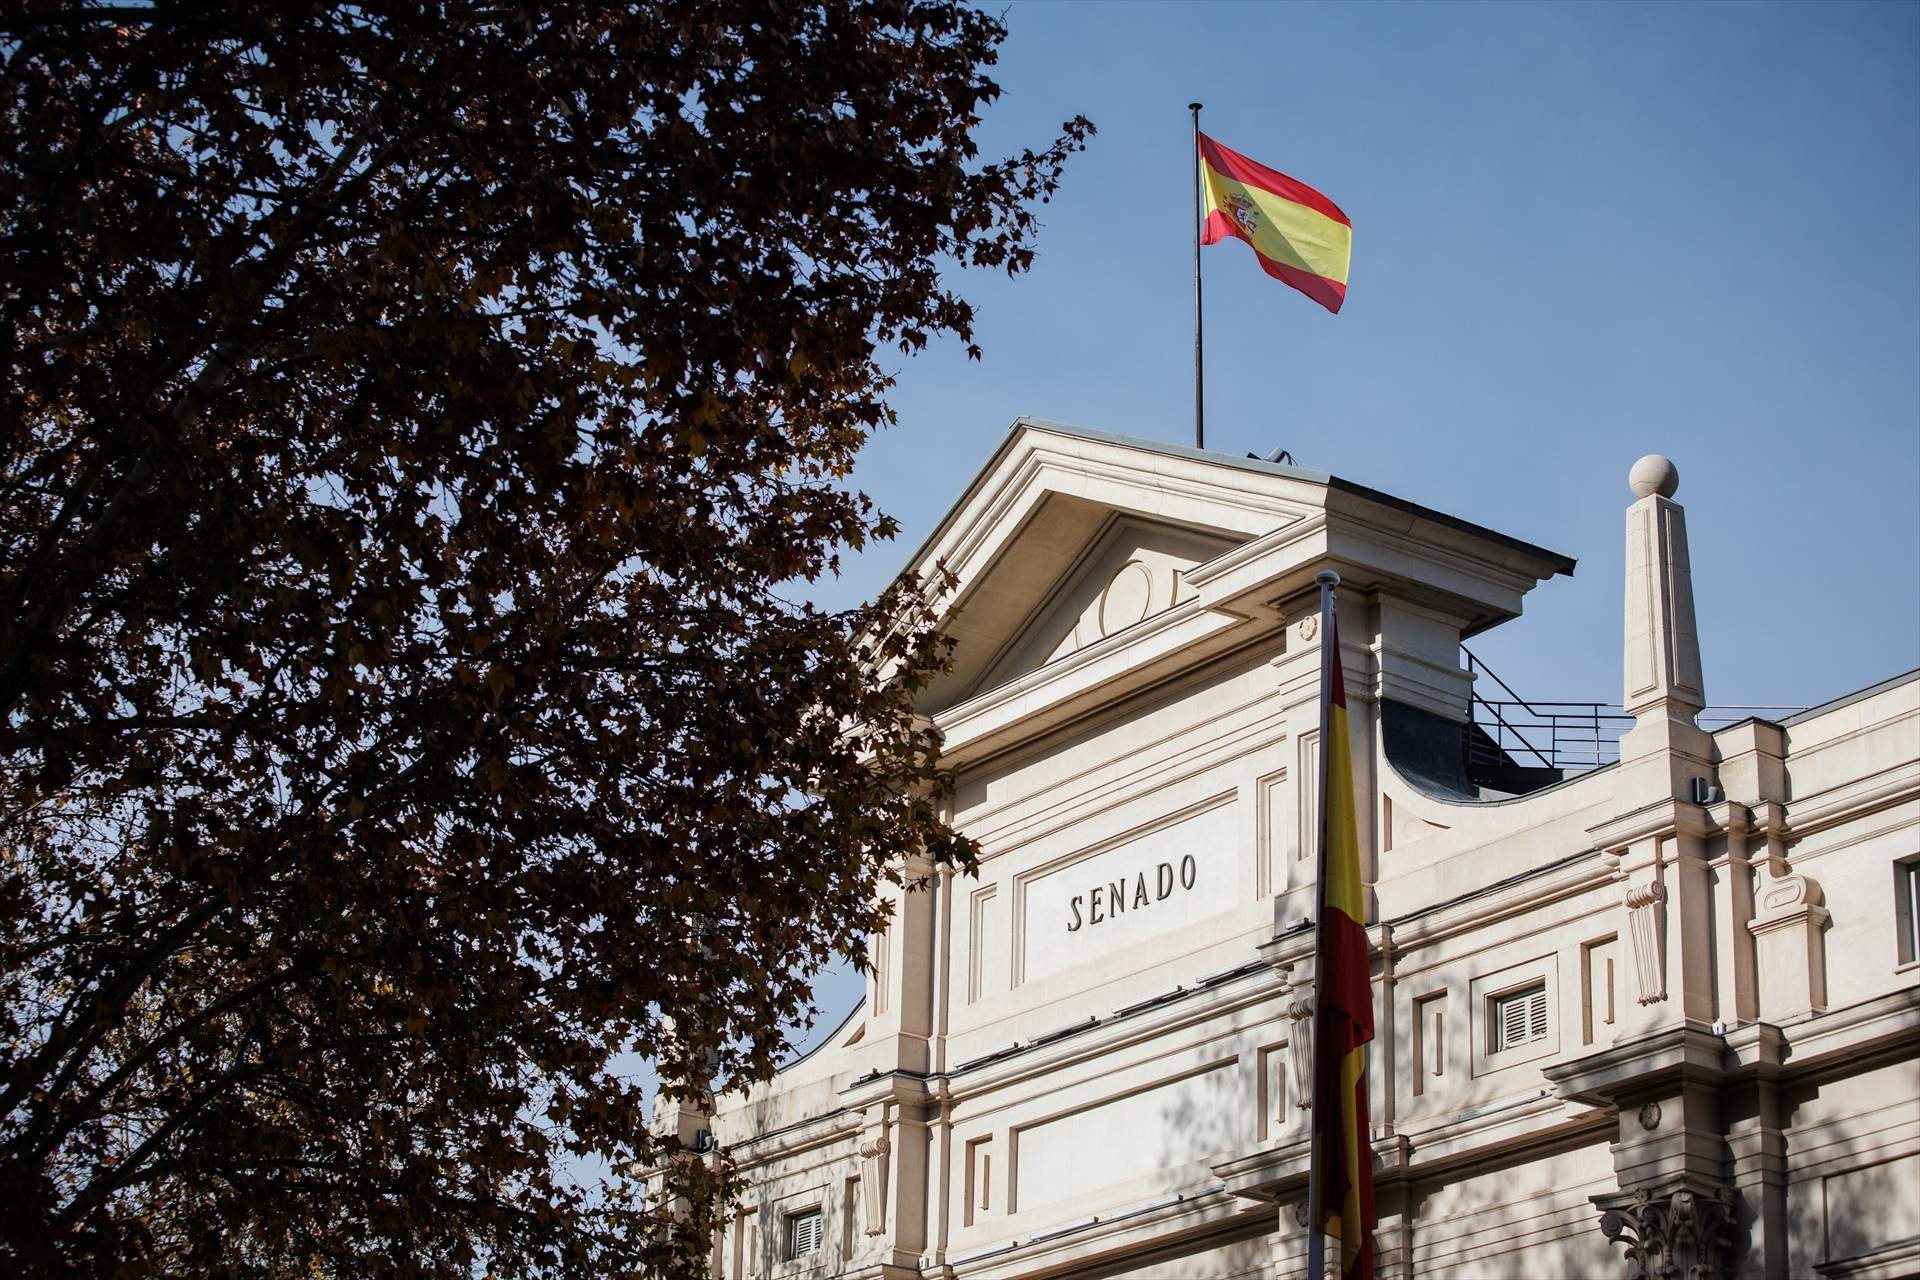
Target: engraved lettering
{"type": "Point", "coordinates": [1104, 902]}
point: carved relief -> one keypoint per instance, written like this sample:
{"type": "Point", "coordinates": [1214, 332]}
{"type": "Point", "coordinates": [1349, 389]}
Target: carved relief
{"type": "Point", "coordinates": [1785, 895]}
{"type": "Point", "coordinates": [1300, 1047]}
{"type": "Point", "coordinates": [1647, 926]}
{"type": "Point", "coordinates": [1679, 1235]}
{"type": "Point", "coordinates": [873, 1181]}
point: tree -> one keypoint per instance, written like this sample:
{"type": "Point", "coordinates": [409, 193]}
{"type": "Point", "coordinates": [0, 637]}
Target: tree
{"type": "Point", "coordinates": [417, 423]}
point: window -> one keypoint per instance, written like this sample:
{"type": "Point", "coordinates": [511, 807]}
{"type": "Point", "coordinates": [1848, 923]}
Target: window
{"type": "Point", "coordinates": [1518, 1017]}
{"type": "Point", "coordinates": [803, 1234]}
{"type": "Point", "coordinates": [1906, 897]}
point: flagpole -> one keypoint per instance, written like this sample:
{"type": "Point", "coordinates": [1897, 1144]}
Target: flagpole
{"type": "Point", "coordinates": [1199, 395]}
{"type": "Point", "coordinates": [1326, 580]}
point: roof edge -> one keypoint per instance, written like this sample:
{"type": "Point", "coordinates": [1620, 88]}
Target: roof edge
{"type": "Point", "coordinates": [1560, 564]}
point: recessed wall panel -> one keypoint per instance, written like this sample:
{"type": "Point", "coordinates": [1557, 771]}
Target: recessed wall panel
{"type": "Point", "coordinates": [1154, 881]}
{"type": "Point", "coordinates": [1141, 1133]}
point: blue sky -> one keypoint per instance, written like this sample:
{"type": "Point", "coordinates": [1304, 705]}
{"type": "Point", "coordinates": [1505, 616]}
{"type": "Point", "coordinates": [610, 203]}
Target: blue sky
{"type": "Point", "coordinates": [1581, 233]}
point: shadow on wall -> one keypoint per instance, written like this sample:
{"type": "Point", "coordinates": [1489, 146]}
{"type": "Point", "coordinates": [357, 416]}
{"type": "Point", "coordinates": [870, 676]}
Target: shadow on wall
{"type": "Point", "coordinates": [1867, 1196]}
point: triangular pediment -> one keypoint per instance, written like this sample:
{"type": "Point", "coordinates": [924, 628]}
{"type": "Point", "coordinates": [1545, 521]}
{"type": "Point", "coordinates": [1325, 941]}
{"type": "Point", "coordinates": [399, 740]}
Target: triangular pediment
{"type": "Point", "coordinates": [1069, 538]}
{"type": "Point", "coordinates": [1133, 571]}
{"type": "Point", "coordinates": [1080, 569]}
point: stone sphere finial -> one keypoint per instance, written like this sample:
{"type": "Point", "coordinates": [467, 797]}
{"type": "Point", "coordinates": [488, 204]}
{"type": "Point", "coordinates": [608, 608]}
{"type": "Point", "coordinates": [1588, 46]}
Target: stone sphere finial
{"type": "Point", "coordinates": [1653, 474]}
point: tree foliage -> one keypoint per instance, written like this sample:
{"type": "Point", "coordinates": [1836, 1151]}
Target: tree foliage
{"type": "Point", "coordinates": [412, 417]}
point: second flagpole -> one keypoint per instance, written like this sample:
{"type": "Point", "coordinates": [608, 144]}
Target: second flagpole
{"type": "Point", "coordinates": [1326, 580]}
{"type": "Point", "coordinates": [1199, 386]}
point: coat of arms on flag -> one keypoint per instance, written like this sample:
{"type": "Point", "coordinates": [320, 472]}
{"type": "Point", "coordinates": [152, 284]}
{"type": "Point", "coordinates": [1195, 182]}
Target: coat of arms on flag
{"type": "Point", "coordinates": [1245, 213]}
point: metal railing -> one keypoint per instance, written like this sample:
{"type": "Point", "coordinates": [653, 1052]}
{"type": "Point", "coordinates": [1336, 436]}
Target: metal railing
{"type": "Point", "coordinates": [1569, 736]}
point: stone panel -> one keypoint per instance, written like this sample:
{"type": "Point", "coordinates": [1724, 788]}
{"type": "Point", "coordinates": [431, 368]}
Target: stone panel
{"type": "Point", "coordinates": [1116, 1140]}
{"type": "Point", "coordinates": [1150, 882]}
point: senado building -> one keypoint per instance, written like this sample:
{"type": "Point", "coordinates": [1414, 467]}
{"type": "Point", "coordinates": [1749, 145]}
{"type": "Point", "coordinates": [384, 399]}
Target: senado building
{"type": "Point", "coordinates": [1651, 1010]}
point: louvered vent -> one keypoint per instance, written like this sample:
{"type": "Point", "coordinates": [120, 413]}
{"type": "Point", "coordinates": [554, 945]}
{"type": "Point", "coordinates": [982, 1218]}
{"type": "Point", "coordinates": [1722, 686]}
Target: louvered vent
{"type": "Point", "coordinates": [803, 1234]}
{"type": "Point", "coordinates": [1520, 1017]}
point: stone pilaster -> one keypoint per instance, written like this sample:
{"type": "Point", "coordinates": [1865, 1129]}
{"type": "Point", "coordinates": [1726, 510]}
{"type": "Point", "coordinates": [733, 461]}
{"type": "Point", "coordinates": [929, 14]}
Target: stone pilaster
{"type": "Point", "coordinates": [893, 1158]}
{"type": "Point", "coordinates": [1757, 1153]}
{"type": "Point", "coordinates": [900, 986]}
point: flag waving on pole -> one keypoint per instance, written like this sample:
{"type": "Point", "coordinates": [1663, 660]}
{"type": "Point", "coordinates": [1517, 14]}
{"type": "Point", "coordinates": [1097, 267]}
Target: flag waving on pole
{"type": "Point", "coordinates": [1301, 237]}
{"type": "Point", "coordinates": [1343, 999]}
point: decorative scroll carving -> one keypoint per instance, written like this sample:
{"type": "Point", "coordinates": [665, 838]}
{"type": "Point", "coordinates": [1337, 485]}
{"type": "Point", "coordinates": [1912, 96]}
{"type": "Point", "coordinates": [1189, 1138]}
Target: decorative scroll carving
{"type": "Point", "coordinates": [1647, 926]}
{"type": "Point", "coordinates": [1300, 1048]}
{"type": "Point", "coordinates": [873, 1181]}
{"type": "Point", "coordinates": [1782, 895]}
{"type": "Point", "coordinates": [1678, 1235]}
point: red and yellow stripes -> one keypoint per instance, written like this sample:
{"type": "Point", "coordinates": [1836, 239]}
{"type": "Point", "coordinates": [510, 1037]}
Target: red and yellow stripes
{"type": "Point", "coordinates": [1301, 237]}
{"type": "Point", "coordinates": [1343, 1005]}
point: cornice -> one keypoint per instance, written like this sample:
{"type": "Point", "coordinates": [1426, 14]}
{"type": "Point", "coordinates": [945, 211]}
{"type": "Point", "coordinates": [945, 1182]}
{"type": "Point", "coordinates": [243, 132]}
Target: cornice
{"type": "Point", "coordinates": [1855, 799]}
{"type": "Point", "coordinates": [1095, 1037]}
{"type": "Point", "coordinates": [1679, 1053]}
{"type": "Point", "coordinates": [1849, 1035]}
{"type": "Point", "coordinates": [1142, 655]}
{"type": "Point", "coordinates": [1883, 1027]}
{"type": "Point", "coordinates": [1519, 894]}
{"type": "Point", "coordinates": [1666, 816]}
{"type": "Point", "coordinates": [1122, 1233]}
{"type": "Point", "coordinates": [797, 1137]}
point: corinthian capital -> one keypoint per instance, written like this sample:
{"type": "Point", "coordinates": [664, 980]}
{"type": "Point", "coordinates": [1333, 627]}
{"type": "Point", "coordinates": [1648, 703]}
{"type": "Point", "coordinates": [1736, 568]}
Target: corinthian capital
{"type": "Point", "coordinates": [1673, 1235]}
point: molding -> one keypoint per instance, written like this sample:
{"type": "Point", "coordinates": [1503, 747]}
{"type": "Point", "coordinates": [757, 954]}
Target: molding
{"type": "Point", "coordinates": [1055, 807]}
{"type": "Point", "coordinates": [1185, 1217]}
{"type": "Point", "coordinates": [1520, 894]}
{"type": "Point", "coordinates": [1894, 1262]}
{"type": "Point", "coordinates": [1647, 1064]}
{"type": "Point", "coordinates": [1855, 799]}
{"type": "Point", "coordinates": [1664, 817]}
{"type": "Point", "coordinates": [1176, 1010]}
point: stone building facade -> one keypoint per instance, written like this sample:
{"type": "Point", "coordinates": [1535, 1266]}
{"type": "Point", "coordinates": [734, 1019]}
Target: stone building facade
{"type": "Point", "coordinates": [1660, 1017]}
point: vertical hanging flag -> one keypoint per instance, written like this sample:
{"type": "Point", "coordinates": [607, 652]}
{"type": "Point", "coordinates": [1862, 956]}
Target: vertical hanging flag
{"type": "Point", "coordinates": [1301, 237]}
{"type": "Point", "coordinates": [1343, 995]}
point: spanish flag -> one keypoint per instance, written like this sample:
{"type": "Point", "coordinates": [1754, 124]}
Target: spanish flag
{"type": "Point", "coordinates": [1301, 237]}
{"type": "Point", "coordinates": [1343, 1004]}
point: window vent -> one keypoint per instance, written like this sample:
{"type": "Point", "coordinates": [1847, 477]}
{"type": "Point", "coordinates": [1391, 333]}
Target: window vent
{"type": "Point", "coordinates": [803, 1234]}
{"type": "Point", "coordinates": [1519, 1017]}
